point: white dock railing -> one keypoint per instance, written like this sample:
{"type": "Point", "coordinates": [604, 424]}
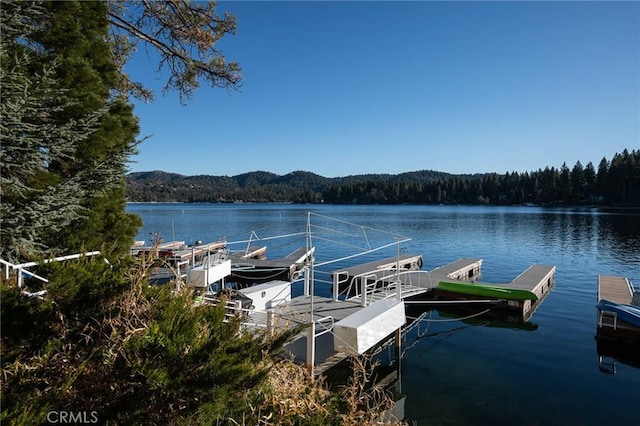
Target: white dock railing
{"type": "Point", "coordinates": [22, 271]}
{"type": "Point", "coordinates": [369, 287]}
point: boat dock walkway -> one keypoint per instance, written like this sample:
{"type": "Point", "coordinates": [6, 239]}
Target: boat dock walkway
{"type": "Point", "coordinates": [178, 253]}
{"type": "Point", "coordinates": [373, 279]}
{"type": "Point", "coordinates": [464, 269]}
{"type": "Point", "coordinates": [614, 289]}
{"type": "Point", "coordinates": [382, 266]}
{"type": "Point", "coordinates": [326, 313]}
{"type": "Point", "coordinates": [619, 291]}
{"type": "Point", "coordinates": [538, 279]}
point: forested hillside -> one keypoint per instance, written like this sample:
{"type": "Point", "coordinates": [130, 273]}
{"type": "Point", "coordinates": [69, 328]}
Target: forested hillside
{"type": "Point", "coordinates": [614, 182]}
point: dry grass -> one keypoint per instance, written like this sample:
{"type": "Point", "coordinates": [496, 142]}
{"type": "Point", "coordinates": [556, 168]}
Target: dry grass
{"type": "Point", "coordinates": [294, 398]}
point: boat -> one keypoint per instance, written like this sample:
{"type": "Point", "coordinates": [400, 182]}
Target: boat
{"type": "Point", "coordinates": [247, 272]}
{"type": "Point", "coordinates": [486, 290]}
{"type": "Point", "coordinates": [624, 312]}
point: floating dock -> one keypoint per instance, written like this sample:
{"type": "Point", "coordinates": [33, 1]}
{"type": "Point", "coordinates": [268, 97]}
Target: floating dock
{"type": "Point", "coordinates": [177, 253]}
{"type": "Point", "coordinates": [249, 271]}
{"type": "Point", "coordinates": [402, 262]}
{"type": "Point", "coordinates": [340, 325]}
{"type": "Point", "coordinates": [538, 280]}
{"type": "Point", "coordinates": [371, 309]}
{"type": "Point", "coordinates": [614, 289]}
{"type": "Point", "coordinates": [464, 269]}
{"type": "Point", "coordinates": [351, 281]}
{"type": "Point", "coordinates": [619, 291]}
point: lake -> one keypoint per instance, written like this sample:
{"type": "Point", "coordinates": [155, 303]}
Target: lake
{"type": "Point", "coordinates": [482, 371]}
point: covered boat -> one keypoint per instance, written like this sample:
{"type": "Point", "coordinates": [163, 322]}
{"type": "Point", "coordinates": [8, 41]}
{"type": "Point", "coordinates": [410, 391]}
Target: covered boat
{"type": "Point", "coordinates": [624, 312]}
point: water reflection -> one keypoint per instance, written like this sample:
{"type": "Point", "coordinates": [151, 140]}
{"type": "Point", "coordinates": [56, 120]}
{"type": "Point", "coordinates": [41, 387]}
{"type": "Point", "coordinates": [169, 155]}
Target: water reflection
{"type": "Point", "coordinates": [610, 353]}
{"type": "Point", "coordinates": [485, 315]}
{"type": "Point", "coordinates": [621, 235]}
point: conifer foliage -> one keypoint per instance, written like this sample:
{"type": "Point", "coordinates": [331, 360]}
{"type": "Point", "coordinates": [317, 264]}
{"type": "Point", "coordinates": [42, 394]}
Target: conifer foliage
{"type": "Point", "coordinates": [65, 137]}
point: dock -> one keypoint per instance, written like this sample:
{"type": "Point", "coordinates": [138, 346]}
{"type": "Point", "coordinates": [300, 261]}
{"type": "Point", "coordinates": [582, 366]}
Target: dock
{"type": "Point", "coordinates": [251, 252]}
{"type": "Point", "coordinates": [614, 289]}
{"type": "Point", "coordinates": [339, 328]}
{"type": "Point", "coordinates": [403, 262]}
{"type": "Point", "coordinates": [341, 325]}
{"type": "Point", "coordinates": [177, 253]}
{"type": "Point", "coordinates": [370, 311]}
{"type": "Point", "coordinates": [349, 281]}
{"type": "Point", "coordinates": [537, 279]}
{"type": "Point", "coordinates": [464, 269]}
{"type": "Point", "coordinates": [196, 253]}
{"type": "Point", "coordinates": [609, 327]}
{"type": "Point", "coordinates": [248, 271]}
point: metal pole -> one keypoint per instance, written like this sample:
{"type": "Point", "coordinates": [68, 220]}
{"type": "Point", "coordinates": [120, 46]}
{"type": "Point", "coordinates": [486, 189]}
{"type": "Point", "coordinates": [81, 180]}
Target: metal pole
{"type": "Point", "coordinates": [398, 338]}
{"type": "Point", "coordinates": [311, 347]}
{"type": "Point", "coordinates": [398, 284]}
{"type": "Point", "coordinates": [311, 336]}
{"type": "Point", "coordinates": [307, 291]}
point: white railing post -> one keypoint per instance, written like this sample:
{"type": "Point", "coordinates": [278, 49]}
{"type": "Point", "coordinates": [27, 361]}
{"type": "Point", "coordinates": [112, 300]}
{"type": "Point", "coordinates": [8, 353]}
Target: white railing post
{"type": "Point", "coordinates": [311, 347]}
{"type": "Point", "coordinates": [307, 283]}
{"type": "Point", "coordinates": [271, 323]}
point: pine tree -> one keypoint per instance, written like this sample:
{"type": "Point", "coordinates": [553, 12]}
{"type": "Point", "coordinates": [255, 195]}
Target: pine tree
{"type": "Point", "coordinates": [66, 137]}
{"type": "Point", "coordinates": [37, 200]}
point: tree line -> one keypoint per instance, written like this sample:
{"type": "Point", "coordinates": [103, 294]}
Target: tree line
{"type": "Point", "coordinates": [614, 182]}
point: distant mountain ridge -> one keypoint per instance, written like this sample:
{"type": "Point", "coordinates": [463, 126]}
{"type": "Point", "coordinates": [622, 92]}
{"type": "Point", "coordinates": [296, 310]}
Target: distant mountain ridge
{"type": "Point", "coordinates": [613, 183]}
{"type": "Point", "coordinates": [257, 186]}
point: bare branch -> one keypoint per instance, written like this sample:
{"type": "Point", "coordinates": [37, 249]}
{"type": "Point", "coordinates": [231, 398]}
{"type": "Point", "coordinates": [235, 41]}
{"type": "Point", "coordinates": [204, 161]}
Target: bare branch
{"type": "Point", "coordinates": [185, 34]}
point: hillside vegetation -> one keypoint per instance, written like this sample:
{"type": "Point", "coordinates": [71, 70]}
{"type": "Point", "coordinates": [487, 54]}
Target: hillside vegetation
{"type": "Point", "coordinates": [615, 182]}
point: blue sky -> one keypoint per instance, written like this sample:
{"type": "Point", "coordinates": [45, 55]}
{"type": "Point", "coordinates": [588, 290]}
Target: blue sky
{"type": "Point", "coordinates": [345, 88]}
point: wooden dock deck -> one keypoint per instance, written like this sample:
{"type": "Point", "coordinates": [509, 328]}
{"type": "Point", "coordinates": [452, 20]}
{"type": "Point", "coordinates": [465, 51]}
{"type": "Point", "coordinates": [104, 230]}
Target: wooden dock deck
{"type": "Point", "coordinates": [196, 252]}
{"type": "Point", "coordinates": [618, 290]}
{"type": "Point", "coordinates": [404, 261]}
{"type": "Point", "coordinates": [464, 269]}
{"type": "Point", "coordinates": [178, 253]}
{"type": "Point", "coordinates": [538, 279]}
{"type": "Point", "coordinates": [614, 289]}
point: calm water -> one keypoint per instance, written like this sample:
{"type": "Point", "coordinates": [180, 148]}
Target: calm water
{"type": "Point", "coordinates": [475, 372]}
